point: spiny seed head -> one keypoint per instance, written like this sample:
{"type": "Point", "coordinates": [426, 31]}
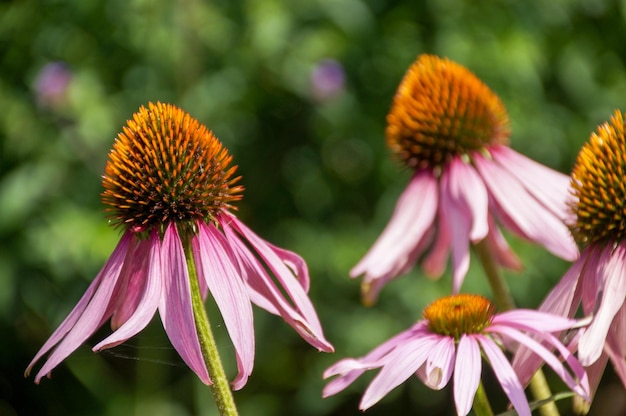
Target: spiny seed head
{"type": "Point", "coordinates": [460, 314]}
{"type": "Point", "coordinates": [167, 167]}
{"type": "Point", "coordinates": [599, 184]}
{"type": "Point", "coordinates": [442, 110]}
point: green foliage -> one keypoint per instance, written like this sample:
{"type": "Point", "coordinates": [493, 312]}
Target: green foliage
{"type": "Point", "coordinates": [318, 177]}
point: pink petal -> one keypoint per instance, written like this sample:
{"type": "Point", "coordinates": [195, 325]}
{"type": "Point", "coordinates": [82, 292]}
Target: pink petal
{"type": "Point", "coordinates": [595, 372]}
{"type": "Point", "coordinates": [464, 205]}
{"type": "Point", "coordinates": [505, 375]}
{"type": "Point", "coordinates": [562, 301]}
{"type": "Point", "coordinates": [295, 263]}
{"type": "Point", "coordinates": [399, 365]}
{"type": "Point", "coordinates": [613, 295]}
{"type": "Point", "coordinates": [467, 189]}
{"type": "Point", "coordinates": [522, 213]}
{"type": "Point", "coordinates": [175, 305]}
{"type": "Point", "coordinates": [87, 315]}
{"type": "Point", "coordinates": [548, 186]}
{"type": "Point", "coordinates": [534, 321]}
{"type": "Point", "coordinates": [439, 365]}
{"type": "Point", "coordinates": [581, 388]}
{"type": "Point", "coordinates": [131, 283]}
{"type": "Point", "coordinates": [615, 346]}
{"type": "Point", "coordinates": [413, 215]}
{"type": "Point", "coordinates": [147, 306]}
{"type": "Point", "coordinates": [305, 321]}
{"type": "Point", "coordinates": [217, 266]}
{"type": "Point", "coordinates": [467, 370]}
{"type": "Point", "coordinates": [350, 369]}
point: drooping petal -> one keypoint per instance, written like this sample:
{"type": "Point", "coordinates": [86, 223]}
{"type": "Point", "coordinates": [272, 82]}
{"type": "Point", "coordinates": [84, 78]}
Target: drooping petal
{"type": "Point", "coordinates": [522, 213]}
{"type": "Point", "coordinates": [439, 365]}
{"type": "Point", "coordinates": [87, 315]}
{"type": "Point", "coordinates": [413, 215]}
{"type": "Point", "coordinates": [300, 314]}
{"type": "Point", "coordinates": [533, 321]}
{"type": "Point", "coordinates": [350, 369]}
{"type": "Point", "coordinates": [295, 263]}
{"type": "Point", "coordinates": [615, 345]}
{"type": "Point", "coordinates": [399, 365]}
{"type": "Point", "coordinates": [548, 186]}
{"type": "Point", "coordinates": [505, 375]}
{"type": "Point", "coordinates": [613, 295]}
{"type": "Point", "coordinates": [560, 301]}
{"type": "Point", "coordinates": [581, 386]}
{"type": "Point", "coordinates": [218, 267]}
{"type": "Point", "coordinates": [147, 306]}
{"type": "Point", "coordinates": [175, 308]}
{"type": "Point", "coordinates": [467, 370]}
{"type": "Point", "coordinates": [464, 205]}
{"type": "Point", "coordinates": [131, 283]}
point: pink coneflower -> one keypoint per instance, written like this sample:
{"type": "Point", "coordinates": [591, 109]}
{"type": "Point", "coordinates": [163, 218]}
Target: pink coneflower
{"type": "Point", "coordinates": [169, 185]}
{"type": "Point", "coordinates": [455, 332]}
{"type": "Point", "coordinates": [597, 280]}
{"type": "Point", "coordinates": [452, 130]}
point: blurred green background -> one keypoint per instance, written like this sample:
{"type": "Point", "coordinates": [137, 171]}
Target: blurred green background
{"type": "Point", "coordinates": [298, 91]}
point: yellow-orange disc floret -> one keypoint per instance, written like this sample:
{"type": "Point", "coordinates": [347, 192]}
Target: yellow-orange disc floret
{"type": "Point", "coordinates": [599, 186]}
{"type": "Point", "coordinates": [460, 314]}
{"type": "Point", "coordinates": [442, 110]}
{"type": "Point", "coordinates": [166, 166]}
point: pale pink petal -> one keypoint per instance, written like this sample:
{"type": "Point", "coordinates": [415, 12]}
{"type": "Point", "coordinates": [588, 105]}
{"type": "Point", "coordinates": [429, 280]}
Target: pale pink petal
{"type": "Point", "coordinates": [350, 369]}
{"type": "Point", "coordinates": [467, 371]}
{"type": "Point", "coordinates": [147, 306]}
{"type": "Point", "coordinates": [459, 218]}
{"type": "Point", "coordinates": [87, 315]}
{"type": "Point", "coordinates": [522, 213]}
{"type": "Point", "coordinates": [440, 364]}
{"type": "Point", "coordinates": [505, 375]}
{"type": "Point", "coordinates": [613, 295]}
{"type": "Point", "coordinates": [467, 189]}
{"type": "Point", "coordinates": [533, 321]}
{"type": "Point", "coordinates": [580, 385]}
{"type": "Point", "coordinates": [400, 364]}
{"type": "Point", "coordinates": [412, 217]}
{"type": "Point", "coordinates": [548, 186]}
{"type": "Point", "coordinates": [305, 320]}
{"type": "Point", "coordinates": [217, 266]}
{"type": "Point", "coordinates": [560, 301]}
{"type": "Point", "coordinates": [175, 305]}
{"type": "Point", "coordinates": [464, 209]}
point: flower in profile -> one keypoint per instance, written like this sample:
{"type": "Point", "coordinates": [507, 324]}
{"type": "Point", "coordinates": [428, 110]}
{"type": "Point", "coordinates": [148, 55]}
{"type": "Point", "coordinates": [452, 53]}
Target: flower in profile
{"type": "Point", "coordinates": [452, 130]}
{"type": "Point", "coordinates": [596, 282]}
{"type": "Point", "coordinates": [168, 183]}
{"type": "Point", "coordinates": [455, 332]}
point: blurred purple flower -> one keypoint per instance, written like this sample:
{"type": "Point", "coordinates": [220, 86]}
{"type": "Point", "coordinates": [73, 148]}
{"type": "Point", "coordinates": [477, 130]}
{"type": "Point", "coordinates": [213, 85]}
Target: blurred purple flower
{"type": "Point", "coordinates": [327, 79]}
{"type": "Point", "coordinates": [51, 84]}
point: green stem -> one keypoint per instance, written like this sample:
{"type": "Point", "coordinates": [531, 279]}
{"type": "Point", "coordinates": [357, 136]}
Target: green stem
{"type": "Point", "coordinates": [481, 404]}
{"type": "Point", "coordinates": [504, 302]}
{"type": "Point", "coordinates": [220, 388]}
